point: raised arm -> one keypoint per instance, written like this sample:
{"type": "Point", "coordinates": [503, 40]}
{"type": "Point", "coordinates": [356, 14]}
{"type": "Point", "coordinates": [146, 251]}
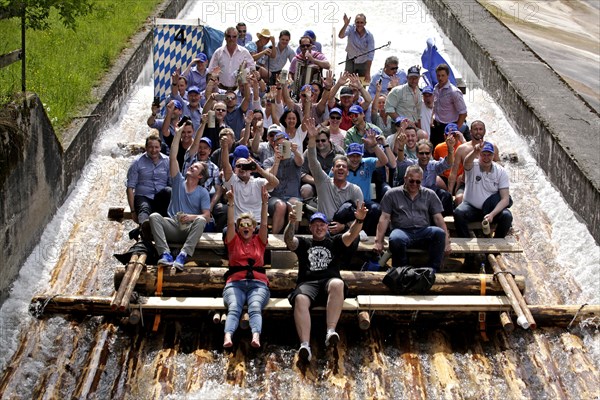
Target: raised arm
{"type": "Point", "coordinates": [230, 216]}
{"type": "Point", "coordinates": [291, 241]}
{"type": "Point", "coordinates": [468, 163]}
{"type": "Point", "coordinates": [271, 179]}
{"type": "Point", "coordinates": [370, 142]}
{"type": "Point", "coordinates": [359, 218]}
{"type": "Point", "coordinates": [327, 86]}
{"type": "Point", "coordinates": [167, 121]}
{"type": "Point", "coordinates": [173, 163]}
{"type": "Point", "coordinates": [225, 164]}
{"type": "Point", "coordinates": [263, 231]}
{"type": "Point", "coordinates": [199, 133]}
{"type": "Point", "coordinates": [342, 32]}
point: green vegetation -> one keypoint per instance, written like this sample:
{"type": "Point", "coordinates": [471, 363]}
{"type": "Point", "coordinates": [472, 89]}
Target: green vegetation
{"type": "Point", "coordinates": [63, 64]}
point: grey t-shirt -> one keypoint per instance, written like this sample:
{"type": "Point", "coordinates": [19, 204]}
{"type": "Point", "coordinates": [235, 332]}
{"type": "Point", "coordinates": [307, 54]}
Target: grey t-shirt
{"type": "Point", "coordinates": [288, 174]}
{"type": "Point", "coordinates": [407, 213]}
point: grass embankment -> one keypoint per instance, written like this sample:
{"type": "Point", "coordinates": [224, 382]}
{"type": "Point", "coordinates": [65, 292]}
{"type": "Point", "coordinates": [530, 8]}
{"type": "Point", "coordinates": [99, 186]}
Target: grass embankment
{"type": "Point", "coordinates": [64, 65]}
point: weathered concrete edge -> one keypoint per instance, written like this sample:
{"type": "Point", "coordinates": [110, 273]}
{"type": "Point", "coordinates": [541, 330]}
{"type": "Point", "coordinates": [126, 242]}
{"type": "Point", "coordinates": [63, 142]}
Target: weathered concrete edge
{"type": "Point", "coordinates": [46, 175]}
{"type": "Point", "coordinates": [79, 138]}
{"type": "Point", "coordinates": [567, 160]}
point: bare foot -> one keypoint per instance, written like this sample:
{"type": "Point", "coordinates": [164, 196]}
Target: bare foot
{"type": "Point", "coordinates": [255, 340]}
{"type": "Point", "coordinates": [227, 342]}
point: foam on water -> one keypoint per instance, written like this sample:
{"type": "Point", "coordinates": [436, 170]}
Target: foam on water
{"type": "Point", "coordinates": [407, 26]}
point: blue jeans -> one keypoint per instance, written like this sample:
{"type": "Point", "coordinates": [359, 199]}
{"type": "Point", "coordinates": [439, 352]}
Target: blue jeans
{"type": "Point", "coordinates": [236, 294]}
{"type": "Point", "coordinates": [401, 239]}
{"type": "Point", "coordinates": [465, 213]}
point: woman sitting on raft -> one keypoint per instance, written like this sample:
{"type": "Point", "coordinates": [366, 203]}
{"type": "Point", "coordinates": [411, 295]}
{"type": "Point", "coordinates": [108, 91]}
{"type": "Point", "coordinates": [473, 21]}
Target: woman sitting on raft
{"type": "Point", "coordinates": [246, 280]}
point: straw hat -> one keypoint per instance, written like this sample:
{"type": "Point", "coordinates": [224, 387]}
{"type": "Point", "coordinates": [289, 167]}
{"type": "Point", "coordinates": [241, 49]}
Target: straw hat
{"type": "Point", "coordinates": [264, 33]}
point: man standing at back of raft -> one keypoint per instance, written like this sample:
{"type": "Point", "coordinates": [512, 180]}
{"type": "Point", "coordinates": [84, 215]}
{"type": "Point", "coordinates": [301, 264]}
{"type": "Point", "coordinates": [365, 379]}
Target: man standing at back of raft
{"type": "Point", "coordinates": [227, 59]}
{"type": "Point", "coordinates": [189, 210]}
{"type": "Point", "coordinates": [319, 281]}
{"type": "Point", "coordinates": [360, 47]}
{"type": "Point", "coordinates": [448, 106]}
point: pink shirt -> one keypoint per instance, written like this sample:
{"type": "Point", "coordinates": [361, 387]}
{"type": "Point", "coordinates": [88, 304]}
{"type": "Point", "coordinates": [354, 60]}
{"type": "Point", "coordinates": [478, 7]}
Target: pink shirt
{"type": "Point", "coordinates": [300, 57]}
{"type": "Point", "coordinates": [448, 103]}
{"type": "Point", "coordinates": [230, 64]}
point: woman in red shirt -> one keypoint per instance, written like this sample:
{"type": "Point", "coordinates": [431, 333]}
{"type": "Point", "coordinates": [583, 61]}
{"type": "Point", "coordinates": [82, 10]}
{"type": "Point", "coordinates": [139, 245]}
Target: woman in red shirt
{"type": "Point", "coordinates": [246, 280]}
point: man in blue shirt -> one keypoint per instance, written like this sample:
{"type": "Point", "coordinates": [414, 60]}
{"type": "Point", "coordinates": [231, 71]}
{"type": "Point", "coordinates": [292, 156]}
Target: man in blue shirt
{"type": "Point", "coordinates": [391, 75]}
{"type": "Point", "coordinates": [360, 47]}
{"type": "Point", "coordinates": [189, 210]}
{"type": "Point", "coordinates": [147, 184]}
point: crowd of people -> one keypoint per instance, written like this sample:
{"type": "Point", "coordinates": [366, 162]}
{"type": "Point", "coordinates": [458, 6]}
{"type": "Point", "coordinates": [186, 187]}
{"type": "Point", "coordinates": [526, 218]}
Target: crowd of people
{"type": "Point", "coordinates": [376, 154]}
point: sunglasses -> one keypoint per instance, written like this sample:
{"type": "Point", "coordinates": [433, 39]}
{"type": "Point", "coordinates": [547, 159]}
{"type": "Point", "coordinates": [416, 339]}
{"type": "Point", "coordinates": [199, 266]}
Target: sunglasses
{"type": "Point", "coordinates": [231, 36]}
{"type": "Point", "coordinates": [305, 45]}
{"type": "Point", "coordinates": [220, 110]}
{"type": "Point", "coordinates": [321, 140]}
{"type": "Point", "coordinates": [424, 153]}
{"type": "Point", "coordinates": [394, 68]}
{"type": "Point", "coordinates": [245, 224]}
{"type": "Point", "coordinates": [417, 181]}
{"type": "Point", "coordinates": [230, 98]}
{"type": "Point", "coordinates": [338, 118]}
{"type": "Point", "coordinates": [241, 31]}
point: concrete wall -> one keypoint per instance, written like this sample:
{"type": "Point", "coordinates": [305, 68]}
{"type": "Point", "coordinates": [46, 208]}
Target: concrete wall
{"type": "Point", "coordinates": [38, 172]}
{"type": "Point", "coordinates": [536, 100]}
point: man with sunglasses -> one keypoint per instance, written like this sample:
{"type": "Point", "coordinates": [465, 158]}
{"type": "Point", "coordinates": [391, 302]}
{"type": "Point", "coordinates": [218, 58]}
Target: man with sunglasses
{"type": "Point", "coordinates": [390, 72]}
{"type": "Point", "coordinates": [234, 114]}
{"type": "Point", "coordinates": [432, 168]}
{"type": "Point", "coordinates": [308, 56]}
{"type": "Point", "coordinates": [326, 153]}
{"type": "Point", "coordinates": [227, 59]}
{"type": "Point", "coordinates": [243, 35]}
{"type": "Point", "coordinates": [409, 209]}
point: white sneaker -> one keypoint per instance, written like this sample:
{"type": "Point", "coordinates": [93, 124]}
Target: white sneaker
{"type": "Point", "coordinates": [304, 353]}
{"type": "Point", "coordinates": [363, 236]}
{"type": "Point", "coordinates": [332, 339]}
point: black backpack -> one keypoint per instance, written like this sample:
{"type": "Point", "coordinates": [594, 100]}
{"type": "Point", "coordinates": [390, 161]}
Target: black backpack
{"type": "Point", "coordinates": [406, 280]}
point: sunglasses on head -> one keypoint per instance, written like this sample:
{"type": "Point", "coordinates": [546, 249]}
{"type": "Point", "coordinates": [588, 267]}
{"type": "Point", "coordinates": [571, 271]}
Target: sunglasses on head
{"type": "Point", "coordinates": [417, 181]}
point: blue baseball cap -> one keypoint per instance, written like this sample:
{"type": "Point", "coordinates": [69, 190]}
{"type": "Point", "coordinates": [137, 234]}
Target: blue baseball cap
{"type": "Point", "coordinates": [356, 109]}
{"type": "Point", "coordinates": [310, 34]}
{"type": "Point", "coordinates": [194, 89]}
{"type": "Point", "coordinates": [319, 215]}
{"type": "Point", "coordinates": [202, 57]}
{"type": "Point", "coordinates": [427, 89]}
{"type": "Point", "coordinates": [240, 152]}
{"type": "Point", "coordinates": [451, 127]}
{"type": "Point", "coordinates": [177, 104]}
{"type": "Point", "coordinates": [487, 146]}
{"type": "Point", "coordinates": [335, 110]}
{"type": "Point", "coordinates": [355, 148]}
{"type": "Point", "coordinates": [207, 141]}
{"type": "Point", "coordinates": [280, 135]}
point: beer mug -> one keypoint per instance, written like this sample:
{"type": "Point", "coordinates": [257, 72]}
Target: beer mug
{"type": "Point", "coordinates": [211, 119]}
{"type": "Point", "coordinates": [285, 148]}
{"type": "Point", "coordinates": [298, 210]}
{"type": "Point", "coordinates": [283, 77]}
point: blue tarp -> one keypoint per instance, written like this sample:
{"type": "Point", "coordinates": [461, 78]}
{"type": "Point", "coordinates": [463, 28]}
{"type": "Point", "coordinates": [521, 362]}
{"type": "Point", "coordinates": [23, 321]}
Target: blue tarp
{"type": "Point", "coordinates": [430, 59]}
{"type": "Point", "coordinates": [212, 40]}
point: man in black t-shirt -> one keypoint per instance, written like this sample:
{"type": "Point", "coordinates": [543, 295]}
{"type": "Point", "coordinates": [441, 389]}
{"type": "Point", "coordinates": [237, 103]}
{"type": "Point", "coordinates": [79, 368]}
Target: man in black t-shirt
{"type": "Point", "coordinates": [319, 281]}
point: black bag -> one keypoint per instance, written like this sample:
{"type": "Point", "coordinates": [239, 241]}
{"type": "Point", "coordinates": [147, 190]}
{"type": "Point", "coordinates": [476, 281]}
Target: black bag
{"type": "Point", "coordinates": [405, 280]}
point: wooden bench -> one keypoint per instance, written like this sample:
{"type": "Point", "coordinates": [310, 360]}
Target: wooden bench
{"type": "Point", "coordinates": [459, 245]}
{"type": "Point", "coordinates": [121, 213]}
{"type": "Point", "coordinates": [360, 303]}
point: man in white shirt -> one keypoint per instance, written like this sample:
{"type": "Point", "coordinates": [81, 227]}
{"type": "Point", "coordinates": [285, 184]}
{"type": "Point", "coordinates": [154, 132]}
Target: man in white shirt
{"type": "Point", "coordinates": [487, 196]}
{"type": "Point", "coordinates": [227, 59]}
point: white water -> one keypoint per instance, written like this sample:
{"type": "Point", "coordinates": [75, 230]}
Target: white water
{"type": "Point", "coordinates": [567, 247]}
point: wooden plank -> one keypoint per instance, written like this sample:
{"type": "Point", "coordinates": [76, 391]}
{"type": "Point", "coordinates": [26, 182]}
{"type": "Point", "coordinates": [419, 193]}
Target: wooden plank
{"type": "Point", "coordinates": [9, 58]}
{"type": "Point", "coordinates": [434, 303]}
{"type": "Point", "coordinates": [216, 303]}
{"type": "Point", "coordinates": [459, 245]}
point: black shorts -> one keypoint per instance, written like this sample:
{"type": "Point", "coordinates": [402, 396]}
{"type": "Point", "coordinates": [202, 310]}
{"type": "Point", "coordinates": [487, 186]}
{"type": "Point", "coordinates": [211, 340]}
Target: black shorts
{"type": "Point", "coordinates": [315, 290]}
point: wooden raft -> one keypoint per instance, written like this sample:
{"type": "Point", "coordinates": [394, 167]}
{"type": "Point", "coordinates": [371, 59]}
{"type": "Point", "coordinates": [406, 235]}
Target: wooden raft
{"type": "Point", "coordinates": [194, 281]}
